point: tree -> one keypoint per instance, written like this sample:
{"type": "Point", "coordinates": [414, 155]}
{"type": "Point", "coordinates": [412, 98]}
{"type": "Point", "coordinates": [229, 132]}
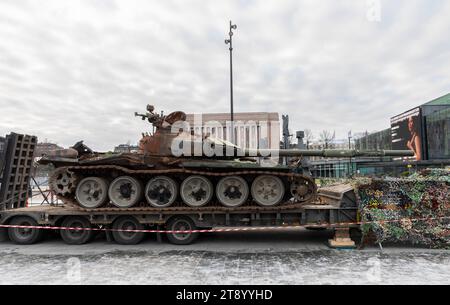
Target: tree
{"type": "Point", "coordinates": [308, 137]}
{"type": "Point", "coordinates": [326, 137]}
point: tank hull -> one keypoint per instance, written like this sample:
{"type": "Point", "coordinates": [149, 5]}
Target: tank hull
{"type": "Point", "coordinates": [223, 183]}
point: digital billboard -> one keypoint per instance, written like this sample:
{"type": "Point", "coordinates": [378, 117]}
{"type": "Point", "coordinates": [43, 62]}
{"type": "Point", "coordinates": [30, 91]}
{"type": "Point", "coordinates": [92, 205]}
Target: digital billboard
{"type": "Point", "coordinates": [406, 130]}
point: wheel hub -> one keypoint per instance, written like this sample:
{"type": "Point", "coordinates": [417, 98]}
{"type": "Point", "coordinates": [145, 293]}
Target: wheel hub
{"type": "Point", "coordinates": [77, 231]}
{"type": "Point", "coordinates": [129, 227]}
{"type": "Point", "coordinates": [198, 194]}
{"type": "Point", "coordinates": [125, 190]}
{"type": "Point", "coordinates": [181, 226]}
{"type": "Point", "coordinates": [233, 192]}
{"type": "Point", "coordinates": [24, 231]}
{"type": "Point", "coordinates": [196, 191]}
{"type": "Point", "coordinates": [161, 191]}
{"type": "Point", "coordinates": [160, 194]}
{"type": "Point", "coordinates": [91, 192]}
{"type": "Point", "coordinates": [267, 190]}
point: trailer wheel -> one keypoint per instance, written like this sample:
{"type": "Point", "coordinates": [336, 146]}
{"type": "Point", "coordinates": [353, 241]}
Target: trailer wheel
{"type": "Point", "coordinates": [127, 238]}
{"type": "Point", "coordinates": [181, 223]}
{"type": "Point", "coordinates": [76, 237]}
{"type": "Point", "coordinates": [24, 236]}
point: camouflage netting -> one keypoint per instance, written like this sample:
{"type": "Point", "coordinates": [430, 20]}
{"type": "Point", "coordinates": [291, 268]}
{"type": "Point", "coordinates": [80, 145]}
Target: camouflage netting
{"type": "Point", "coordinates": [415, 209]}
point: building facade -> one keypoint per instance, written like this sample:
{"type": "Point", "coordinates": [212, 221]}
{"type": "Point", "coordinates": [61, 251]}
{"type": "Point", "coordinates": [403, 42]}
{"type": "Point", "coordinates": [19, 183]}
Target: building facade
{"type": "Point", "coordinates": [44, 148]}
{"type": "Point", "coordinates": [2, 144]}
{"type": "Point", "coordinates": [126, 148]}
{"type": "Point", "coordinates": [375, 141]}
{"type": "Point", "coordinates": [437, 131]}
{"type": "Point", "coordinates": [251, 129]}
{"type": "Point", "coordinates": [424, 129]}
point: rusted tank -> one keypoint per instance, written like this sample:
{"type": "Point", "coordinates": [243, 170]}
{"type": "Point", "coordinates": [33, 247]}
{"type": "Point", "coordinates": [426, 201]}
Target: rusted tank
{"type": "Point", "coordinates": [177, 169]}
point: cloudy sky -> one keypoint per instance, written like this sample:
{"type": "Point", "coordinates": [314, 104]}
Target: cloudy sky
{"type": "Point", "coordinates": [72, 70]}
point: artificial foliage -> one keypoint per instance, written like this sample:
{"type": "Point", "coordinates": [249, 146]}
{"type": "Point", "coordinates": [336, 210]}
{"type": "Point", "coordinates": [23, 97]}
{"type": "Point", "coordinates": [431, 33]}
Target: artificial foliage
{"type": "Point", "coordinates": [415, 209]}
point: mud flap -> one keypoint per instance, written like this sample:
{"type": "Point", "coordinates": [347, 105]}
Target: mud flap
{"type": "Point", "coordinates": [158, 234]}
{"type": "Point", "coordinates": [108, 234]}
{"type": "Point", "coordinates": [3, 235]}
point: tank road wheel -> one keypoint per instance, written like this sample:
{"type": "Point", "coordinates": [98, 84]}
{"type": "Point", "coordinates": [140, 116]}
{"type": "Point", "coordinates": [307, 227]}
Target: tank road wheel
{"type": "Point", "coordinates": [161, 191]}
{"type": "Point", "coordinates": [24, 236]}
{"type": "Point", "coordinates": [303, 190]}
{"type": "Point", "coordinates": [76, 237]}
{"type": "Point", "coordinates": [196, 191]}
{"type": "Point", "coordinates": [120, 234]}
{"type": "Point", "coordinates": [181, 223]}
{"type": "Point", "coordinates": [232, 191]}
{"type": "Point", "coordinates": [92, 192]}
{"type": "Point", "coordinates": [125, 191]}
{"type": "Point", "coordinates": [63, 182]}
{"type": "Point", "coordinates": [267, 190]}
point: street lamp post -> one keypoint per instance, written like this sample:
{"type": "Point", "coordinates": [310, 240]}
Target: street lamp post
{"type": "Point", "coordinates": [350, 168]}
{"type": "Point", "coordinates": [230, 42]}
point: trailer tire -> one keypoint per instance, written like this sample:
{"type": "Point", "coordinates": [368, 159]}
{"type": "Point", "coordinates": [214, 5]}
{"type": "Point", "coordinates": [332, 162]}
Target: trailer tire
{"type": "Point", "coordinates": [24, 236]}
{"type": "Point", "coordinates": [181, 223]}
{"type": "Point", "coordinates": [76, 237]}
{"type": "Point", "coordinates": [127, 238]}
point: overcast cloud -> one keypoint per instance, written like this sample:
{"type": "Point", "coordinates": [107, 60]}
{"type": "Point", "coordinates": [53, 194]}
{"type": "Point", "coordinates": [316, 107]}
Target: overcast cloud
{"type": "Point", "coordinates": [72, 70]}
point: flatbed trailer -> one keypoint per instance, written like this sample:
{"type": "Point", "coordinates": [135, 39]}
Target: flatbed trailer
{"type": "Point", "coordinates": [335, 208]}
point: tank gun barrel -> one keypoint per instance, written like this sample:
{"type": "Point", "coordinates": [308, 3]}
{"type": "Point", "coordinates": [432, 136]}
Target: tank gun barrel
{"type": "Point", "coordinates": [328, 153]}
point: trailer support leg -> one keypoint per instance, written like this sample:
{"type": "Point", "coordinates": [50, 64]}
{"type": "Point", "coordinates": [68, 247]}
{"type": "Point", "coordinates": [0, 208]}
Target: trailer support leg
{"type": "Point", "coordinates": [341, 239]}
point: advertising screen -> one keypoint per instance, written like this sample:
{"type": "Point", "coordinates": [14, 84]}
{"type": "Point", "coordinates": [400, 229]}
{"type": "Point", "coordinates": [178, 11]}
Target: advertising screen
{"type": "Point", "coordinates": [406, 132]}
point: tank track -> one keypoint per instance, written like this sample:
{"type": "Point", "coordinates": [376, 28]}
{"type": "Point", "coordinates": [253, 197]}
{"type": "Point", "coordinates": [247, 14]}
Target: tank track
{"type": "Point", "coordinates": [178, 206]}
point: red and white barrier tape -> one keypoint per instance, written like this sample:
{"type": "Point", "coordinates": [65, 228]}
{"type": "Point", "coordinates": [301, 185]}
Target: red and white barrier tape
{"type": "Point", "coordinates": [155, 231]}
{"type": "Point", "coordinates": [239, 229]}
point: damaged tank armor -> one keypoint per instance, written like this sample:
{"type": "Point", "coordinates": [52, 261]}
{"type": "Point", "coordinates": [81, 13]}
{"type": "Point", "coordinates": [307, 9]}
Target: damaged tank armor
{"type": "Point", "coordinates": [159, 177]}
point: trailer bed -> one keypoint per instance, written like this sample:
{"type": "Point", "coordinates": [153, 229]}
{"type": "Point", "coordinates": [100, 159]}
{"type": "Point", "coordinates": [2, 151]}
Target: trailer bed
{"type": "Point", "coordinates": [327, 212]}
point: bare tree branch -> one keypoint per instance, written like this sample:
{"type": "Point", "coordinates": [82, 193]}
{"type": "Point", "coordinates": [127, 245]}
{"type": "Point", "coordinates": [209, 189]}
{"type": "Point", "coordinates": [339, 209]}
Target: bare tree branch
{"type": "Point", "coordinates": [326, 137]}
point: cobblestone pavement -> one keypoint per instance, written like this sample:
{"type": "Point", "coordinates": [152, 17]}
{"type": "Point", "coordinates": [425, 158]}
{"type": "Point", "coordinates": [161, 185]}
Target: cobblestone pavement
{"type": "Point", "coordinates": [250, 258]}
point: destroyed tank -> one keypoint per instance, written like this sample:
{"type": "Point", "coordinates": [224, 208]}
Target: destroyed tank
{"type": "Point", "coordinates": [175, 168]}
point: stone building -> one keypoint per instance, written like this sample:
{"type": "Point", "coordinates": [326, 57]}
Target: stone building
{"type": "Point", "coordinates": [251, 129]}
